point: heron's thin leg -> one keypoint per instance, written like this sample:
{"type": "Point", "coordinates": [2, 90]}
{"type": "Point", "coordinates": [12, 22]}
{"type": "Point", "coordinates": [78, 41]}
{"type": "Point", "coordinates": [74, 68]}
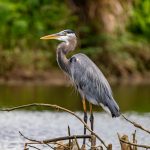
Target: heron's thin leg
{"type": "Point", "coordinates": [91, 117]}
{"type": "Point", "coordinates": [85, 118]}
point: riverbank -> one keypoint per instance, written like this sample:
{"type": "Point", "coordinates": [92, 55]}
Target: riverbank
{"type": "Point", "coordinates": [57, 77]}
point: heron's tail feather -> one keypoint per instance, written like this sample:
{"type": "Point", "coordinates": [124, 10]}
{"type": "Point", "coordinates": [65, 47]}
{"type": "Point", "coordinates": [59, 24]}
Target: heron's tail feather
{"type": "Point", "coordinates": [114, 108]}
{"type": "Point", "coordinates": [111, 107]}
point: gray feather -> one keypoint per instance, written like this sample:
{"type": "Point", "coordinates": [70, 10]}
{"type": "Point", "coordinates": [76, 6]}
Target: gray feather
{"type": "Point", "coordinates": [91, 83]}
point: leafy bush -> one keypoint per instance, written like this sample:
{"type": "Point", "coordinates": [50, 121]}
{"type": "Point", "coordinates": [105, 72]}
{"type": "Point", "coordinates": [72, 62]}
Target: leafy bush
{"type": "Point", "coordinates": [23, 21]}
{"type": "Point", "coordinates": [140, 19]}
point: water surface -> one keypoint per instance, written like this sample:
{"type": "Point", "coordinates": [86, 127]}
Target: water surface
{"type": "Point", "coordinates": [45, 124]}
{"type": "Point", "coordinates": [129, 98]}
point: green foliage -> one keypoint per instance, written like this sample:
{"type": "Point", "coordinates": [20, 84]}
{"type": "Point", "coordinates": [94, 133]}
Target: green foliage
{"type": "Point", "coordinates": [140, 19]}
{"type": "Point", "coordinates": [23, 22]}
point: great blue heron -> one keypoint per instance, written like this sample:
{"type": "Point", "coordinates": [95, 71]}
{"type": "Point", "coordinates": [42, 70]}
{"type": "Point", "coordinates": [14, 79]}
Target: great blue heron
{"type": "Point", "coordinates": [86, 76]}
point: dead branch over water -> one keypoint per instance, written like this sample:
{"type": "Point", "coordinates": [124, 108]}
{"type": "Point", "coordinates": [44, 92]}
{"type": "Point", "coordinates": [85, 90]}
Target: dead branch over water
{"type": "Point", "coordinates": [57, 139]}
{"type": "Point", "coordinates": [58, 108]}
{"type": "Point", "coordinates": [73, 143]}
{"type": "Point", "coordinates": [127, 145]}
{"type": "Point", "coordinates": [136, 124]}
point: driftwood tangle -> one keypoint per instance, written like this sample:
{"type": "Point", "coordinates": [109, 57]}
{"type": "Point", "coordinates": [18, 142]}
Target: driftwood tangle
{"type": "Point", "coordinates": [70, 142]}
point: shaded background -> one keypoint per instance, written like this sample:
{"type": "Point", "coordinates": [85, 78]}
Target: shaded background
{"type": "Point", "coordinates": [115, 34]}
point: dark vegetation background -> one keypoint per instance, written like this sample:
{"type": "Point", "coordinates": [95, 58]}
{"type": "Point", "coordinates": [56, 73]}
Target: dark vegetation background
{"type": "Point", "coordinates": [114, 33]}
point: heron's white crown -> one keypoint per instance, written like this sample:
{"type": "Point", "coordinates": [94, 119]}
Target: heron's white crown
{"type": "Point", "coordinates": [65, 37]}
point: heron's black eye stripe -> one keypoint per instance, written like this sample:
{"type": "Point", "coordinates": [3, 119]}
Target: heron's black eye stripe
{"type": "Point", "coordinates": [68, 31]}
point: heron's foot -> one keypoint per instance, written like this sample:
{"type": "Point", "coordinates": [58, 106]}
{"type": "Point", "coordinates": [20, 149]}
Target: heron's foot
{"type": "Point", "coordinates": [83, 147]}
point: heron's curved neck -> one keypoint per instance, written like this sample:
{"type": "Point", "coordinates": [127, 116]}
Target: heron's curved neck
{"type": "Point", "coordinates": [63, 49]}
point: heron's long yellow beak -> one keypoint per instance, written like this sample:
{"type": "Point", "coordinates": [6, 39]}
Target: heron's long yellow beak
{"type": "Point", "coordinates": [48, 37]}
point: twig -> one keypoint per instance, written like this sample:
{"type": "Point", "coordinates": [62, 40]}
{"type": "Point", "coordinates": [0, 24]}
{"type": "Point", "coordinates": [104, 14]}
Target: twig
{"type": "Point", "coordinates": [138, 145]}
{"type": "Point", "coordinates": [133, 144]}
{"type": "Point", "coordinates": [77, 143]}
{"type": "Point", "coordinates": [66, 138]}
{"type": "Point", "coordinates": [119, 139]}
{"type": "Point", "coordinates": [136, 124]}
{"type": "Point", "coordinates": [28, 143]}
{"type": "Point", "coordinates": [56, 139]}
{"type": "Point", "coordinates": [34, 147]}
{"type": "Point", "coordinates": [36, 141]}
{"type": "Point", "coordinates": [33, 140]}
{"type": "Point", "coordinates": [57, 107]}
{"type": "Point", "coordinates": [69, 134]}
{"type": "Point", "coordinates": [134, 140]}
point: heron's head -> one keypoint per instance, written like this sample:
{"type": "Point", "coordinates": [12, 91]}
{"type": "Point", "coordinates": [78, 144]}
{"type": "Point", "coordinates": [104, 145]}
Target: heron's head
{"type": "Point", "coordinates": [64, 35]}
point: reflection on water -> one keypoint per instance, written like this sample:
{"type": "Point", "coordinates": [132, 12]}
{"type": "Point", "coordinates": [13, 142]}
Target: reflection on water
{"type": "Point", "coordinates": [45, 125]}
{"type": "Point", "coordinates": [129, 98]}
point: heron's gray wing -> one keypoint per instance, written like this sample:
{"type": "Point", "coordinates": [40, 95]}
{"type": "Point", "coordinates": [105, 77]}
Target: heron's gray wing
{"type": "Point", "coordinates": [91, 83]}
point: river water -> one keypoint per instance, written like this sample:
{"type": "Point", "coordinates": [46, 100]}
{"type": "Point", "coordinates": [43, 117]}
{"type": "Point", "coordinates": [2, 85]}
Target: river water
{"type": "Point", "coordinates": [38, 124]}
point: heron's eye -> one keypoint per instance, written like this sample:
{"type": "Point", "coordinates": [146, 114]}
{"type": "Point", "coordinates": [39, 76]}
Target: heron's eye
{"type": "Point", "coordinates": [63, 33]}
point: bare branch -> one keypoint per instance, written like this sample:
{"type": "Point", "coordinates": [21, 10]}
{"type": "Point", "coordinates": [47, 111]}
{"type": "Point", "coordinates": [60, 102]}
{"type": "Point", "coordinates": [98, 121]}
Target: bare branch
{"type": "Point", "coordinates": [134, 140]}
{"type": "Point", "coordinates": [56, 139]}
{"type": "Point", "coordinates": [56, 107]}
{"type": "Point", "coordinates": [69, 134]}
{"type": "Point", "coordinates": [34, 147]}
{"type": "Point", "coordinates": [136, 124]}
{"type": "Point", "coordinates": [133, 144]}
{"type": "Point", "coordinates": [35, 141]}
{"type": "Point", "coordinates": [138, 145]}
{"type": "Point", "coordinates": [77, 143]}
{"type": "Point", "coordinates": [66, 138]}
